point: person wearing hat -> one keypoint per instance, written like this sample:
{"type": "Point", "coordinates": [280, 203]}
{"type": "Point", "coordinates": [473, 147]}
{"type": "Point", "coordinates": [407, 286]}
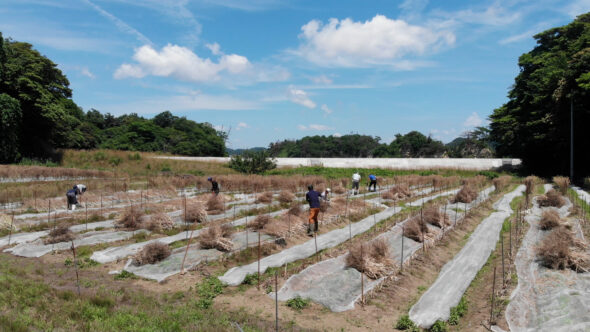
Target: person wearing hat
{"type": "Point", "coordinates": [71, 197]}
{"type": "Point", "coordinates": [326, 194]}
{"type": "Point", "coordinates": [214, 186]}
{"type": "Point", "coordinates": [313, 198]}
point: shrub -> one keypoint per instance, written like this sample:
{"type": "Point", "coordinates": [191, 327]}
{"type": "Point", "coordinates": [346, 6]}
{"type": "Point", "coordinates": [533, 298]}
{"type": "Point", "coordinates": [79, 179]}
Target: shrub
{"type": "Point", "coordinates": [252, 162]}
{"type": "Point", "coordinates": [195, 212]}
{"type": "Point", "coordinates": [216, 237]}
{"type": "Point", "coordinates": [152, 253]}
{"type": "Point", "coordinates": [372, 259]}
{"type": "Point", "coordinates": [405, 323]}
{"type": "Point", "coordinates": [286, 196]}
{"type": "Point", "coordinates": [130, 218]}
{"type": "Point", "coordinates": [61, 233]}
{"type": "Point", "coordinates": [549, 220]}
{"type": "Point", "coordinates": [551, 198]}
{"type": "Point", "coordinates": [298, 303]}
{"type": "Point", "coordinates": [562, 183]}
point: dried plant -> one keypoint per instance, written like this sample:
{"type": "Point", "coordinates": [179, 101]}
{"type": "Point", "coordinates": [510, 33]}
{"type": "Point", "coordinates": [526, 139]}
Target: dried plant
{"type": "Point", "coordinates": [260, 221]}
{"type": "Point", "coordinates": [551, 198]}
{"type": "Point", "coordinates": [399, 191]}
{"type": "Point", "coordinates": [562, 183]}
{"type": "Point", "coordinates": [215, 204]}
{"type": "Point", "coordinates": [152, 253]}
{"type": "Point", "coordinates": [530, 182]}
{"type": "Point", "coordinates": [339, 190]}
{"type": "Point", "coordinates": [265, 197]}
{"type": "Point", "coordinates": [286, 197]}
{"type": "Point", "coordinates": [130, 218]}
{"type": "Point", "coordinates": [501, 182]}
{"type": "Point", "coordinates": [195, 212]}
{"type": "Point", "coordinates": [216, 237]}
{"type": "Point", "coordinates": [466, 195]}
{"type": "Point", "coordinates": [415, 229]}
{"type": "Point", "coordinates": [549, 220]}
{"type": "Point", "coordinates": [434, 216]}
{"type": "Point", "coordinates": [324, 206]}
{"type": "Point", "coordinates": [372, 259]}
{"type": "Point", "coordinates": [61, 233]}
{"type": "Point", "coordinates": [295, 209]}
{"type": "Point", "coordinates": [560, 250]}
{"type": "Point", "coordinates": [159, 221]}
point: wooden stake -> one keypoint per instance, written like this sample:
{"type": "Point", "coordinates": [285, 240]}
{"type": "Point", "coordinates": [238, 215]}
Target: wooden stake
{"type": "Point", "coordinates": [11, 223]}
{"type": "Point", "coordinates": [362, 280]}
{"type": "Point", "coordinates": [188, 244]}
{"type": "Point", "coordinates": [422, 223]}
{"type": "Point", "coordinates": [277, 299]}
{"type": "Point", "coordinates": [316, 245]}
{"type": "Point", "coordinates": [101, 203]}
{"type": "Point", "coordinates": [76, 267]}
{"type": "Point", "coordinates": [401, 263]}
{"type": "Point", "coordinates": [510, 230]}
{"type": "Point", "coordinates": [258, 260]}
{"type": "Point", "coordinates": [86, 208]}
{"type": "Point", "coordinates": [493, 298]}
{"type": "Point", "coordinates": [503, 271]}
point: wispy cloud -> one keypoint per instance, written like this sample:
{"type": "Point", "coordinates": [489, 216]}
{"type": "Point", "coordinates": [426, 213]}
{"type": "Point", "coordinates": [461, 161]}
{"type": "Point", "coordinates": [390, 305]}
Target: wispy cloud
{"type": "Point", "coordinates": [300, 97]}
{"type": "Point", "coordinates": [473, 120]}
{"type": "Point", "coordinates": [326, 109]}
{"type": "Point", "coordinates": [251, 5]}
{"type": "Point", "coordinates": [314, 127]}
{"type": "Point", "coordinates": [122, 26]}
{"type": "Point", "coordinates": [242, 125]}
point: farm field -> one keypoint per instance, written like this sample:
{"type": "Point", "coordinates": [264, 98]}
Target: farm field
{"type": "Point", "coordinates": [380, 260]}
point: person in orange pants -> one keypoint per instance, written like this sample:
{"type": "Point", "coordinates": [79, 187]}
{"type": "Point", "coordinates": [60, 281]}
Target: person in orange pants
{"type": "Point", "coordinates": [313, 198]}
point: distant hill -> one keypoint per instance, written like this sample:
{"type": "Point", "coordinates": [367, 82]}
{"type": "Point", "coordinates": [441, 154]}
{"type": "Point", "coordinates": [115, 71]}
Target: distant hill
{"type": "Point", "coordinates": [233, 152]}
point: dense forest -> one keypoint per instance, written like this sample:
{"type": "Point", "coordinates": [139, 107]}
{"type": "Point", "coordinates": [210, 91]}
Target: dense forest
{"type": "Point", "coordinates": [554, 79]}
{"type": "Point", "coordinates": [38, 116]}
{"type": "Point", "coordinates": [474, 144]}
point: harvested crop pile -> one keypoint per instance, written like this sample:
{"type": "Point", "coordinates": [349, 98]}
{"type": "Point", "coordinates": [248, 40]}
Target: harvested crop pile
{"type": "Point", "coordinates": [265, 198]}
{"type": "Point", "coordinates": [215, 205]}
{"type": "Point", "coordinates": [279, 227]}
{"type": "Point", "coordinates": [339, 190]}
{"type": "Point", "coordinates": [260, 221]}
{"type": "Point", "coordinates": [560, 250]}
{"type": "Point", "coordinates": [415, 229]}
{"type": "Point", "coordinates": [130, 218]}
{"type": "Point", "coordinates": [324, 206]}
{"type": "Point", "coordinates": [501, 182]}
{"type": "Point", "coordinates": [152, 253]}
{"type": "Point", "coordinates": [400, 191]}
{"type": "Point", "coordinates": [549, 220]}
{"type": "Point", "coordinates": [434, 216]}
{"type": "Point", "coordinates": [6, 221]}
{"type": "Point", "coordinates": [195, 212]}
{"type": "Point", "coordinates": [61, 233]}
{"type": "Point", "coordinates": [159, 221]}
{"type": "Point", "coordinates": [371, 259]}
{"type": "Point", "coordinates": [562, 183]}
{"type": "Point", "coordinates": [217, 237]}
{"type": "Point", "coordinates": [466, 195]}
{"type": "Point", "coordinates": [475, 181]}
{"type": "Point", "coordinates": [551, 198]}
{"type": "Point", "coordinates": [286, 196]}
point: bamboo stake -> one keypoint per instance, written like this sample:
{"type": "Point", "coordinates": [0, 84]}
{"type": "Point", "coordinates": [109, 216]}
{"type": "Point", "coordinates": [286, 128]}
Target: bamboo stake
{"type": "Point", "coordinates": [76, 267]}
{"type": "Point", "coordinates": [362, 280]}
{"type": "Point", "coordinates": [503, 271]}
{"type": "Point", "coordinates": [258, 260]}
{"type": "Point", "coordinates": [86, 208]}
{"type": "Point", "coordinates": [401, 263]}
{"type": "Point", "coordinates": [188, 244]}
{"type": "Point", "coordinates": [277, 300]}
{"type": "Point", "coordinates": [11, 223]}
{"type": "Point", "coordinates": [493, 298]}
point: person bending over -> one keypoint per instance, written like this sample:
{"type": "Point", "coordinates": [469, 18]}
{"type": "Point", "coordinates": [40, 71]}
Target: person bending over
{"type": "Point", "coordinates": [313, 198]}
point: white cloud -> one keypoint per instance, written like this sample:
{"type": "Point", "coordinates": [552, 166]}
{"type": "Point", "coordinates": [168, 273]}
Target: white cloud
{"type": "Point", "coordinates": [214, 48]}
{"type": "Point", "coordinates": [337, 135]}
{"type": "Point", "coordinates": [379, 41]}
{"type": "Point", "coordinates": [322, 79]}
{"type": "Point", "coordinates": [124, 27]}
{"type": "Point", "coordinates": [494, 15]}
{"type": "Point", "coordinates": [181, 63]}
{"type": "Point", "coordinates": [315, 127]}
{"type": "Point", "coordinates": [473, 120]}
{"type": "Point", "coordinates": [326, 109]}
{"type": "Point", "coordinates": [86, 72]}
{"type": "Point", "coordinates": [300, 97]}
{"type": "Point", "coordinates": [242, 125]}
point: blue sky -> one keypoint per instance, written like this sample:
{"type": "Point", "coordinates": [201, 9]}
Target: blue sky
{"type": "Point", "coordinates": [273, 70]}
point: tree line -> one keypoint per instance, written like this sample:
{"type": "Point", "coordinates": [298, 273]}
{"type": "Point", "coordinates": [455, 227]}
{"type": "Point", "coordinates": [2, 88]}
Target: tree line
{"type": "Point", "coordinates": [38, 116]}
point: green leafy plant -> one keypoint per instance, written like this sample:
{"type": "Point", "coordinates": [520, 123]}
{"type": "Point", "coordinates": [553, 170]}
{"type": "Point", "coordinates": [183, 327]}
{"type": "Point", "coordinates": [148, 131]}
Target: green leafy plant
{"type": "Point", "coordinates": [405, 323]}
{"type": "Point", "coordinates": [251, 279]}
{"type": "Point", "coordinates": [458, 311]}
{"type": "Point", "coordinates": [297, 303]}
{"type": "Point", "coordinates": [207, 291]}
{"type": "Point", "coordinates": [125, 275]}
{"type": "Point", "coordinates": [439, 326]}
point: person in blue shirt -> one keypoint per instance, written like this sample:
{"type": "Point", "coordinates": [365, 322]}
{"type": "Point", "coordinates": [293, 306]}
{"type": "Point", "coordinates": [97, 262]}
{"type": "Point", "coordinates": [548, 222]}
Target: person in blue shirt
{"type": "Point", "coordinates": [313, 198]}
{"type": "Point", "coordinates": [214, 186]}
{"type": "Point", "coordinates": [373, 182]}
{"type": "Point", "coordinates": [71, 197]}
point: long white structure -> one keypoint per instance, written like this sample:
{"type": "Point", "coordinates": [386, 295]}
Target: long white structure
{"type": "Point", "coordinates": [392, 163]}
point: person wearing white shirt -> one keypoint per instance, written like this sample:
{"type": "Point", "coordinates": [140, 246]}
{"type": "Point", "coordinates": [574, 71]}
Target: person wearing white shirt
{"type": "Point", "coordinates": [356, 179]}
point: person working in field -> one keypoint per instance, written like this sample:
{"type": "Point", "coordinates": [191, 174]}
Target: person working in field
{"type": "Point", "coordinates": [356, 179]}
{"type": "Point", "coordinates": [326, 194]}
{"type": "Point", "coordinates": [372, 182]}
{"type": "Point", "coordinates": [313, 198]}
{"type": "Point", "coordinates": [214, 186]}
{"type": "Point", "coordinates": [72, 195]}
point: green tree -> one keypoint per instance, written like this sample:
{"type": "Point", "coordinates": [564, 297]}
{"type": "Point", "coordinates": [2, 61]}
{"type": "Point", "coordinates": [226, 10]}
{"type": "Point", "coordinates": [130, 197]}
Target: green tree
{"type": "Point", "coordinates": [535, 123]}
{"type": "Point", "coordinates": [10, 123]}
{"type": "Point", "coordinates": [252, 162]}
